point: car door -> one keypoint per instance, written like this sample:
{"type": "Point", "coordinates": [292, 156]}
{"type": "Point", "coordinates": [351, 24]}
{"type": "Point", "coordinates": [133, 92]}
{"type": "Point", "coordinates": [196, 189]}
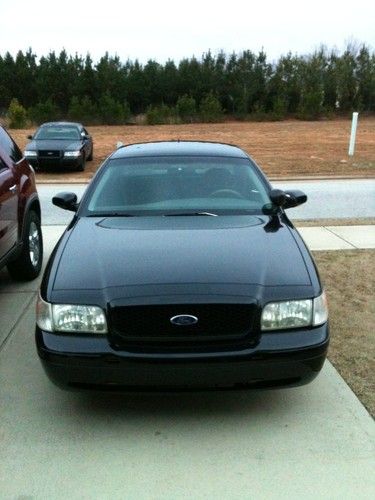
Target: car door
{"type": "Point", "coordinates": [8, 209]}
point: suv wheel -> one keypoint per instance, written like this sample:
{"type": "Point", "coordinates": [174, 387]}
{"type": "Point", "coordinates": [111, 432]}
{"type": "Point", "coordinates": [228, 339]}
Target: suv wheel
{"type": "Point", "coordinates": [28, 264]}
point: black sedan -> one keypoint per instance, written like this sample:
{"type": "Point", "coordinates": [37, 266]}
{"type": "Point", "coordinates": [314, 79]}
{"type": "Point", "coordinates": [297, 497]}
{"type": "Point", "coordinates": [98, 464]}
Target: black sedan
{"type": "Point", "coordinates": [60, 144]}
{"type": "Point", "coordinates": [181, 270]}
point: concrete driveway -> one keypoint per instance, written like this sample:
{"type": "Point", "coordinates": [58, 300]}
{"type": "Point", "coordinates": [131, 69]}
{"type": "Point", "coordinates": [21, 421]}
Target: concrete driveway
{"type": "Point", "coordinates": [316, 441]}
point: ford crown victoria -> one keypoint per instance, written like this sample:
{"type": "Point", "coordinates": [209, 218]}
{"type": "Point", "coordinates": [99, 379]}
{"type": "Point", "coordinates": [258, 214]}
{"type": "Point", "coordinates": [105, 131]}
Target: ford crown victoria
{"type": "Point", "coordinates": [181, 270]}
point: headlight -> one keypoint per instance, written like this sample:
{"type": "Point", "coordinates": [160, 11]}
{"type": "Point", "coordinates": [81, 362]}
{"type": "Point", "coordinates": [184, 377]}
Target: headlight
{"type": "Point", "coordinates": [72, 154]}
{"type": "Point", "coordinates": [70, 318]}
{"type": "Point", "coordinates": [295, 313]}
{"type": "Point", "coordinates": [288, 314]}
{"type": "Point", "coordinates": [30, 154]}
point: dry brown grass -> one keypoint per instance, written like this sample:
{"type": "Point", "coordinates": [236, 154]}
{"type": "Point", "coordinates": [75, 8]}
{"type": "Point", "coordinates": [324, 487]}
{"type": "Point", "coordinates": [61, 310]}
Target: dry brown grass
{"type": "Point", "coordinates": [288, 148]}
{"type": "Point", "coordinates": [349, 278]}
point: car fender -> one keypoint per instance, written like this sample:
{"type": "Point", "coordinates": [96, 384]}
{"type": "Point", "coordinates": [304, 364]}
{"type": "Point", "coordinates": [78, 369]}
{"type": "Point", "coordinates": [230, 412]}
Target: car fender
{"type": "Point", "coordinates": [31, 203]}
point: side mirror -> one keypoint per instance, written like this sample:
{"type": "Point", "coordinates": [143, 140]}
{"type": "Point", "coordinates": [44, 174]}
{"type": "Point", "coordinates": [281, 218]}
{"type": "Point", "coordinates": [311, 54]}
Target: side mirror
{"type": "Point", "coordinates": [30, 137]}
{"type": "Point", "coordinates": [278, 197]}
{"type": "Point", "coordinates": [295, 197]}
{"type": "Point", "coordinates": [66, 201]}
{"type": "Point", "coordinates": [287, 199]}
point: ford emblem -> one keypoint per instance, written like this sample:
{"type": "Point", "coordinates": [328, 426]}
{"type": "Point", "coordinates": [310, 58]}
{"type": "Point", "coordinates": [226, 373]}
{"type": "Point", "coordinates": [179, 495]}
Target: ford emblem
{"type": "Point", "coordinates": [184, 320]}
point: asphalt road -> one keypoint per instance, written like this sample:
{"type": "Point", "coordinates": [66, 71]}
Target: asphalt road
{"type": "Point", "coordinates": [310, 442]}
{"type": "Point", "coordinates": [326, 199]}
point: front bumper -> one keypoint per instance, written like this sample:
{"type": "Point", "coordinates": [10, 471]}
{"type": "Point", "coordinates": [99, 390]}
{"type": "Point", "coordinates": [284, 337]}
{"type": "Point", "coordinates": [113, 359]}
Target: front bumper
{"type": "Point", "coordinates": [45, 162]}
{"type": "Point", "coordinates": [279, 360]}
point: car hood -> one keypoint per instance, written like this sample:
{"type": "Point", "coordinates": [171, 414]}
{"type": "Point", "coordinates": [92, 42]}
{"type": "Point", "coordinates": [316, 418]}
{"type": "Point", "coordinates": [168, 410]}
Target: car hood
{"type": "Point", "coordinates": [130, 257]}
{"type": "Point", "coordinates": [69, 145]}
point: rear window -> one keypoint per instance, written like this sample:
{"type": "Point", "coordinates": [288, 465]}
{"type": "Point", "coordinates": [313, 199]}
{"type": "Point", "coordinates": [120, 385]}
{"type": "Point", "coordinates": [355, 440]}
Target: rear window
{"type": "Point", "coordinates": [165, 185]}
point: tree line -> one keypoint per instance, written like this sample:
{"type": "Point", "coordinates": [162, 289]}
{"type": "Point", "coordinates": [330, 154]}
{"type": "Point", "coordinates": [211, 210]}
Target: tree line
{"type": "Point", "coordinates": [243, 86]}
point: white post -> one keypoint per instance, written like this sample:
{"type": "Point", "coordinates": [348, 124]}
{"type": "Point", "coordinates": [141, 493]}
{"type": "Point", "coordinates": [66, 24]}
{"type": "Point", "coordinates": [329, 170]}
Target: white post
{"type": "Point", "coordinates": [353, 134]}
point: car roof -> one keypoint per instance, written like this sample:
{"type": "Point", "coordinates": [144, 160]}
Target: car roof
{"type": "Point", "coordinates": [179, 148]}
{"type": "Point", "coordinates": [60, 124]}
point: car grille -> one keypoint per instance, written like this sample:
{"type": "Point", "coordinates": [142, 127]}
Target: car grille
{"type": "Point", "coordinates": [48, 153]}
{"type": "Point", "coordinates": [152, 323]}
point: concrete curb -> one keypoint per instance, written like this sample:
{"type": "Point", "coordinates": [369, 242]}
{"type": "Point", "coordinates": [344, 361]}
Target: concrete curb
{"type": "Point", "coordinates": [323, 178]}
{"type": "Point", "coordinates": [62, 181]}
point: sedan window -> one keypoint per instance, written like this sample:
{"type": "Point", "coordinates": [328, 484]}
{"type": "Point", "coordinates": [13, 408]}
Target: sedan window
{"type": "Point", "coordinates": [169, 185]}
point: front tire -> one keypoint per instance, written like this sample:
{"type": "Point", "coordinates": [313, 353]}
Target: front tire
{"type": "Point", "coordinates": [91, 155]}
{"type": "Point", "coordinates": [28, 264]}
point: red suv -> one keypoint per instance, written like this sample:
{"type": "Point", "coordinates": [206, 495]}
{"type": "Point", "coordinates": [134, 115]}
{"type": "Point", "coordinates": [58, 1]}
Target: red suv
{"type": "Point", "coordinates": [21, 245]}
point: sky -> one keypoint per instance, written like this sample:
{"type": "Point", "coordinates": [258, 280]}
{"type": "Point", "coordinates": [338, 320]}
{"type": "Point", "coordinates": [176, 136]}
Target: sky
{"type": "Point", "coordinates": [166, 29]}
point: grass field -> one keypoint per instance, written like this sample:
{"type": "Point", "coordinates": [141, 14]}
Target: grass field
{"type": "Point", "coordinates": [283, 149]}
{"type": "Point", "coordinates": [349, 278]}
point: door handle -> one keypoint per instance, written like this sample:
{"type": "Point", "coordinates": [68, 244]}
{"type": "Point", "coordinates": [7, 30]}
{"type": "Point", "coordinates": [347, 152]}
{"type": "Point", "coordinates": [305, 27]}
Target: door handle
{"type": "Point", "coordinates": [13, 189]}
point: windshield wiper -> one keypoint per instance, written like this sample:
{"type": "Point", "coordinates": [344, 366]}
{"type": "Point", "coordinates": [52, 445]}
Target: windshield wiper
{"type": "Point", "coordinates": [186, 214]}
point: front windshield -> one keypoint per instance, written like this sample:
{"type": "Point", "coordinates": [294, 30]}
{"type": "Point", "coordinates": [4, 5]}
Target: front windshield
{"type": "Point", "coordinates": [178, 185]}
{"type": "Point", "coordinates": [58, 132]}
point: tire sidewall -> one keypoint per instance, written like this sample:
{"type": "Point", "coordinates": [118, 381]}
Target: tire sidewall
{"type": "Point", "coordinates": [22, 268]}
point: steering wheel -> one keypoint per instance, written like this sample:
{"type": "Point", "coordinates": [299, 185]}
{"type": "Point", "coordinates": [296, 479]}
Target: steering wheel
{"type": "Point", "coordinates": [226, 193]}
